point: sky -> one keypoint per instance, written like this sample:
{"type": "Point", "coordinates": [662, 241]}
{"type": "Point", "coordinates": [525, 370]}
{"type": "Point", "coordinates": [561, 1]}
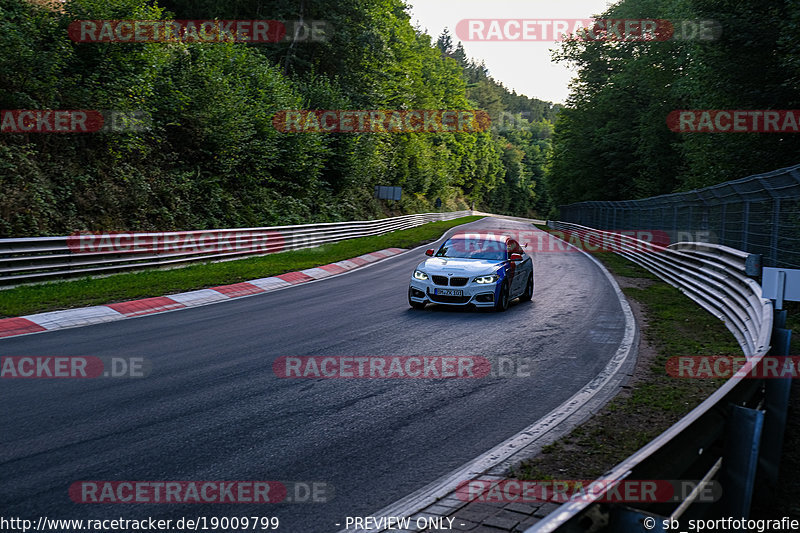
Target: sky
{"type": "Point", "coordinates": [525, 67]}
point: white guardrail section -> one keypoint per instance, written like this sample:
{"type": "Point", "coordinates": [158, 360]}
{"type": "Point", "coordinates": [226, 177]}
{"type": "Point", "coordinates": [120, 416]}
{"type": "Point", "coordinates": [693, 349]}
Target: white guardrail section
{"type": "Point", "coordinates": [711, 275]}
{"type": "Point", "coordinates": [25, 260]}
{"type": "Point", "coordinates": [714, 277]}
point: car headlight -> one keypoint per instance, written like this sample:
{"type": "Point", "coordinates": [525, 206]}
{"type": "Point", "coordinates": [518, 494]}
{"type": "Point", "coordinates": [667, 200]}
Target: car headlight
{"type": "Point", "coordinates": [420, 275]}
{"type": "Point", "coordinates": [486, 279]}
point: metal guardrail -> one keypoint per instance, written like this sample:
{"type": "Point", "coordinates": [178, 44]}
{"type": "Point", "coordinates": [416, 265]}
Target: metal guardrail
{"type": "Point", "coordinates": [25, 260]}
{"type": "Point", "coordinates": [759, 214]}
{"type": "Point", "coordinates": [711, 275]}
{"type": "Point", "coordinates": [695, 447]}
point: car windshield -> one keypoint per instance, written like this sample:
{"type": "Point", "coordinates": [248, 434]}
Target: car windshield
{"type": "Point", "coordinates": [490, 250]}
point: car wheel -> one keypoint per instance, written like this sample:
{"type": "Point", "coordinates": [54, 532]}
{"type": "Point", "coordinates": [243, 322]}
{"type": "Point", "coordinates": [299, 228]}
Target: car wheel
{"type": "Point", "coordinates": [502, 302]}
{"type": "Point", "coordinates": [528, 294]}
{"type": "Point", "coordinates": [412, 303]}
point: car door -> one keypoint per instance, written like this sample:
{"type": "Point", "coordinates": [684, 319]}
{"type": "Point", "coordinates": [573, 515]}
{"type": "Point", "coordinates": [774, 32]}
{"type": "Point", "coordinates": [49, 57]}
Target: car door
{"type": "Point", "coordinates": [524, 271]}
{"type": "Point", "coordinates": [518, 268]}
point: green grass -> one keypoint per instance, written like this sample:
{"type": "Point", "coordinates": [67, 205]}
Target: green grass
{"type": "Point", "coordinates": [83, 292]}
{"type": "Point", "coordinates": [616, 263]}
{"type": "Point", "coordinates": [676, 326]}
{"type": "Point", "coordinates": [622, 267]}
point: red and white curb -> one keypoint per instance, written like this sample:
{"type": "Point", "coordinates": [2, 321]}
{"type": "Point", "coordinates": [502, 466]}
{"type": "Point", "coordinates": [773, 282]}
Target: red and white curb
{"type": "Point", "coordinates": [85, 316]}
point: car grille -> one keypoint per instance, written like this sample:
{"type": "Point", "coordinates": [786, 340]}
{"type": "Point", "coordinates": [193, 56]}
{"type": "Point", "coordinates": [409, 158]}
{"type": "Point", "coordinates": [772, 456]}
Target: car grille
{"type": "Point", "coordinates": [454, 282]}
{"type": "Point", "coordinates": [448, 299]}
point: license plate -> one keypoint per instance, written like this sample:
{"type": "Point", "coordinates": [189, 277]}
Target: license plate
{"type": "Point", "coordinates": [448, 292]}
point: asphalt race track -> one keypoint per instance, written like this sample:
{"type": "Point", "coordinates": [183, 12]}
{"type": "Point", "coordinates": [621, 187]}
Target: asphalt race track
{"type": "Point", "coordinates": [212, 408]}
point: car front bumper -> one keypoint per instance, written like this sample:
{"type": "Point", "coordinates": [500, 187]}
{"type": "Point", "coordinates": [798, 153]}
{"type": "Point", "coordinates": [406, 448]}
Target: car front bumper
{"type": "Point", "coordinates": [479, 295]}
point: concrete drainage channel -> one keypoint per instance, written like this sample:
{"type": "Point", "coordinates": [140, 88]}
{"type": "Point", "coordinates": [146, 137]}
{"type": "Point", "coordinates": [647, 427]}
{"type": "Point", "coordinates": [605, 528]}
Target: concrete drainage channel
{"type": "Point", "coordinates": [434, 504]}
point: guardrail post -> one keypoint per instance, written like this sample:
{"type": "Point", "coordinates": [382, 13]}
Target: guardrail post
{"type": "Point", "coordinates": [740, 459]}
{"type": "Point", "coordinates": [675, 221]}
{"type": "Point", "coordinates": [774, 231]}
{"type": "Point", "coordinates": [745, 224]}
{"type": "Point", "coordinates": [776, 404]}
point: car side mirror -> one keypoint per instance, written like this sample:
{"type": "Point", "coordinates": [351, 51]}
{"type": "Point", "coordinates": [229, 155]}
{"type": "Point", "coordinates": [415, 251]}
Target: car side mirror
{"type": "Point", "coordinates": [515, 257]}
{"type": "Point", "coordinates": [430, 252]}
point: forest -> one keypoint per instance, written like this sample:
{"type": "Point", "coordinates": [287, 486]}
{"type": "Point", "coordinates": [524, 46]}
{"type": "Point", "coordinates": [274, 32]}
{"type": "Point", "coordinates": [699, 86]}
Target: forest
{"type": "Point", "coordinates": [612, 141]}
{"type": "Point", "coordinates": [202, 150]}
{"type": "Point", "coordinates": [207, 153]}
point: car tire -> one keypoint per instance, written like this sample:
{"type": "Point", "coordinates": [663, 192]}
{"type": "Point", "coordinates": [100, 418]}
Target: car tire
{"type": "Point", "coordinates": [528, 294]}
{"type": "Point", "coordinates": [502, 302]}
{"type": "Point", "coordinates": [412, 303]}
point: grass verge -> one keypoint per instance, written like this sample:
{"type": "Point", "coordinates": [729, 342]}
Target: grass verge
{"type": "Point", "coordinates": [672, 325]}
{"type": "Point", "coordinates": [88, 291]}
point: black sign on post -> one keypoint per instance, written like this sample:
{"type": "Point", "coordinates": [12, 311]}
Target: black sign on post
{"type": "Point", "coordinates": [388, 193]}
{"type": "Point", "coordinates": [752, 265]}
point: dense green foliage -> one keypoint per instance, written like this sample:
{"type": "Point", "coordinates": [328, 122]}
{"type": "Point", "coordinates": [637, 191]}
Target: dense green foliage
{"type": "Point", "coordinates": [523, 126]}
{"type": "Point", "coordinates": [611, 140]}
{"type": "Point", "coordinates": [211, 156]}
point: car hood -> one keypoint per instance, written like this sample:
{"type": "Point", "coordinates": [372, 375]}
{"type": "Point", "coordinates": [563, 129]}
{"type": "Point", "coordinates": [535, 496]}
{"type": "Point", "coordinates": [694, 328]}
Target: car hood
{"type": "Point", "coordinates": [436, 265]}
